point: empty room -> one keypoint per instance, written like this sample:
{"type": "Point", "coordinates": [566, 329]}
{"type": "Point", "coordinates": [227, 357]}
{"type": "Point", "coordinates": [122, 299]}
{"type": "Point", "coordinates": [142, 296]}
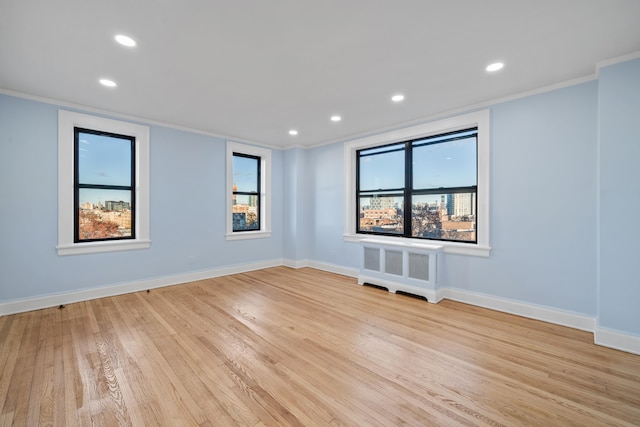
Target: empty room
{"type": "Point", "coordinates": [328, 213]}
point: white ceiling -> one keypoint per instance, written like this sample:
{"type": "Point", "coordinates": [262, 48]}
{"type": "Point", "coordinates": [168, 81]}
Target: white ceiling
{"type": "Point", "coordinates": [251, 70]}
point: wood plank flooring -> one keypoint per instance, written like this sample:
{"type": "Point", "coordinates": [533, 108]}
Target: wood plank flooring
{"type": "Point", "coordinates": [284, 347]}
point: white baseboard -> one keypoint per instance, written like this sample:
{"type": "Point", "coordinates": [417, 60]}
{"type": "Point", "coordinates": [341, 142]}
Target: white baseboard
{"type": "Point", "coordinates": [53, 300]}
{"type": "Point", "coordinates": [602, 336]}
{"type": "Point", "coordinates": [614, 339]}
{"type": "Point", "coordinates": [532, 311]}
{"type": "Point", "coordinates": [295, 263]}
{"type": "Point", "coordinates": [332, 268]}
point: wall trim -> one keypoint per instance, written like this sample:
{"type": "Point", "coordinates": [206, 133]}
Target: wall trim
{"type": "Point", "coordinates": [53, 300]}
{"type": "Point", "coordinates": [333, 268]}
{"type": "Point", "coordinates": [602, 336]}
{"type": "Point", "coordinates": [617, 340]}
{"type": "Point", "coordinates": [531, 311]}
{"type": "Point", "coordinates": [127, 117]}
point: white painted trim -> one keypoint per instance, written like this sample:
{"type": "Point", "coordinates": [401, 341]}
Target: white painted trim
{"type": "Point", "coordinates": [624, 58]}
{"type": "Point", "coordinates": [295, 264]}
{"type": "Point", "coordinates": [531, 311]}
{"type": "Point", "coordinates": [481, 119]}
{"type": "Point", "coordinates": [246, 235]}
{"type": "Point", "coordinates": [53, 300]}
{"type": "Point", "coordinates": [130, 117]}
{"type": "Point", "coordinates": [67, 121]}
{"type": "Point", "coordinates": [265, 191]}
{"type": "Point", "coordinates": [333, 268]}
{"type": "Point", "coordinates": [604, 337]}
{"type": "Point", "coordinates": [618, 340]}
{"type": "Point", "coordinates": [460, 110]}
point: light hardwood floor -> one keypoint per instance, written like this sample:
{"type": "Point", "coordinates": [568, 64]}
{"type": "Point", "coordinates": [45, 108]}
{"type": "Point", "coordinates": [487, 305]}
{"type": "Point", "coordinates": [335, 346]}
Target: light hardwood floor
{"type": "Point", "coordinates": [303, 347]}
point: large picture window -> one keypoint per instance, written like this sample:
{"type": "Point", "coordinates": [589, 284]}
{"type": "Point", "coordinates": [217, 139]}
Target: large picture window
{"type": "Point", "coordinates": [424, 188]}
{"type": "Point", "coordinates": [422, 185]}
{"type": "Point", "coordinates": [103, 184]}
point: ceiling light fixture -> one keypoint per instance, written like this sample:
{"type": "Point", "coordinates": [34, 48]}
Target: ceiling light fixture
{"type": "Point", "coordinates": [336, 118]}
{"type": "Point", "coordinates": [293, 132]}
{"type": "Point", "coordinates": [397, 98]}
{"type": "Point", "coordinates": [125, 40]}
{"type": "Point", "coordinates": [108, 83]}
{"type": "Point", "coordinates": [495, 66]}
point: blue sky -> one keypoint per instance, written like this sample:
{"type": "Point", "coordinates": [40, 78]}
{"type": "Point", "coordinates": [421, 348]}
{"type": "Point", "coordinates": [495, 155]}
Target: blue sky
{"type": "Point", "coordinates": [245, 173]}
{"type": "Point", "coordinates": [103, 160]}
{"type": "Point", "coordinates": [450, 164]}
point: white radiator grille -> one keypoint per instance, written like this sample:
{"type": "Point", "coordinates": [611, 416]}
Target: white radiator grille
{"type": "Point", "coordinates": [372, 259]}
{"type": "Point", "coordinates": [393, 262]}
{"type": "Point", "coordinates": [419, 266]}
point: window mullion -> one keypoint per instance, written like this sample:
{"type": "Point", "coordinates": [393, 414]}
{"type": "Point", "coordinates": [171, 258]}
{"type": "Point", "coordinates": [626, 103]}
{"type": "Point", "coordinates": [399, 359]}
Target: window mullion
{"type": "Point", "coordinates": [408, 186]}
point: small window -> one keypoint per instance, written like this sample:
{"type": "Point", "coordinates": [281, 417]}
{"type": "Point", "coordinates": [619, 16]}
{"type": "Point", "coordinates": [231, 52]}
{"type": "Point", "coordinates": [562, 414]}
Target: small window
{"type": "Point", "coordinates": [248, 191]}
{"type": "Point", "coordinates": [103, 184]}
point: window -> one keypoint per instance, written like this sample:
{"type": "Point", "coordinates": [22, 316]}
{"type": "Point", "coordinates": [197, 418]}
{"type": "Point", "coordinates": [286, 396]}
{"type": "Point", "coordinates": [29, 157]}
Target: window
{"type": "Point", "coordinates": [103, 185]}
{"type": "Point", "coordinates": [428, 182]}
{"type": "Point", "coordinates": [425, 188]}
{"type": "Point", "coordinates": [248, 191]}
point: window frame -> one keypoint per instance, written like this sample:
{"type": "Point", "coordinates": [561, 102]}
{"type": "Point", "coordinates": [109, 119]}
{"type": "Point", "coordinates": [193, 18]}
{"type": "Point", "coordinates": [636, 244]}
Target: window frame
{"type": "Point", "coordinates": [480, 120]}
{"type": "Point", "coordinates": [250, 193]}
{"type": "Point", "coordinates": [85, 185]}
{"type": "Point", "coordinates": [68, 121]}
{"type": "Point", "coordinates": [264, 202]}
{"type": "Point", "coordinates": [408, 192]}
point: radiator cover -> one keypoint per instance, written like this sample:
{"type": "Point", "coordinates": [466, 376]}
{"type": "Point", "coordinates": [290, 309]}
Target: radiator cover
{"type": "Point", "coordinates": [411, 268]}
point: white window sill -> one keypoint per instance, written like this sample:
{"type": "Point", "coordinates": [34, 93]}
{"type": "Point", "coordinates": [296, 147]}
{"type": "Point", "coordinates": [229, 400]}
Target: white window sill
{"type": "Point", "coordinates": [245, 235]}
{"type": "Point", "coordinates": [446, 247]}
{"type": "Point", "coordinates": [99, 247]}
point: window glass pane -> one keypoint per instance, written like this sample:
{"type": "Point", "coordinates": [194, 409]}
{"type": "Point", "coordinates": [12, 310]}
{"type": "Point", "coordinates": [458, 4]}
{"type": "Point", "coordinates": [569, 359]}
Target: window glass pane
{"type": "Point", "coordinates": [444, 216]}
{"type": "Point", "coordinates": [382, 214]}
{"type": "Point", "coordinates": [104, 214]}
{"type": "Point", "coordinates": [104, 160]}
{"type": "Point", "coordinates": [245, 174]}
{"type": "Point", "coordinates": [445, 165]}
{"type": "Point", "coordinates": [382, 170]}
{"type": "Point", "coordinates": [245, 212]}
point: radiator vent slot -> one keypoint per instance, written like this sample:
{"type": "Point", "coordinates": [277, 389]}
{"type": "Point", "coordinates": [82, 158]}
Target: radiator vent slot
{"type": "Point", "coordinates": [393, 262]}
{"type": "Point", "coordinates": [419, 266]}
{"type": "Point", "coordinates": [412, 295]}
{"type": "Point", "coordinates": [372, 259]}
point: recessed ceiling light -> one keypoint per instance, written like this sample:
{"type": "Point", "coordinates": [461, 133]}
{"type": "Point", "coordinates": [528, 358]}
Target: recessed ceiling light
{"type": "Point", "coordinates": [108, 83]}
{"type": "Point", "coordinates": [397, 98]}
{"type": "Point", "coordinates": [125, 40]}
{"type": "Point", "coordinates": [293, 132]}
{"type": "Point", "coordinates": [495, 66]}
{"type": "Point", "coordinates": [336, 118]}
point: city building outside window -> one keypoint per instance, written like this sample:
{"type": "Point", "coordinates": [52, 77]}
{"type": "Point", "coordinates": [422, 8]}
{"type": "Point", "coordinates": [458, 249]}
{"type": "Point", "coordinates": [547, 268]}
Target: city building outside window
{"type": "Point", "coordinates": [104, 195]}
{"type": "Point", "coordinates": [248, 191]}
{"type": "Point", "coordinates": [428, 182]}
{"type": "Point", "coordinates": [424, 188]}
{"type": "Point", "coordinates": [103, 184]}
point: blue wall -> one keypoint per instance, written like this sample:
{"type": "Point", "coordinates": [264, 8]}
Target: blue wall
{"type": "Point", "coordinates": [565, 191]}
{"type": "Point", "coordinates": [187, 211]}
{"type": "Point", "coordinates": [543, 204]}
{"type": "Point", "coordinates": [619, 156]}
